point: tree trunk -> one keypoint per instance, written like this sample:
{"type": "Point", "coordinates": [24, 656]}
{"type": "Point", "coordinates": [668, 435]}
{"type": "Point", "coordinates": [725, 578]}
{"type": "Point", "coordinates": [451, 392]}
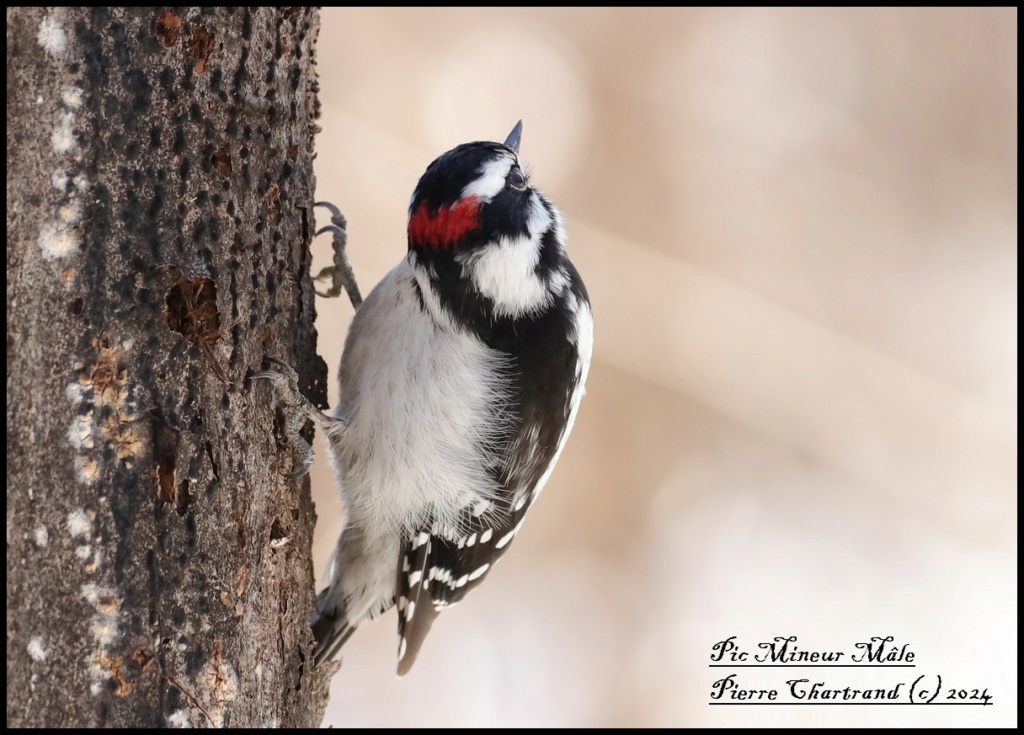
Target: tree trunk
{"type": "Point", "coordinates": [159, 192]}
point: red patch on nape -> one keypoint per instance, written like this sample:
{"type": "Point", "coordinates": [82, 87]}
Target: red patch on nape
{"type": "Point", "coordinates": [446, 227]}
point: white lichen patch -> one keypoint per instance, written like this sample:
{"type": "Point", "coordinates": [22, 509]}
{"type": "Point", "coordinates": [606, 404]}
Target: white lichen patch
{"type": "Point", "coordinates": [70, 213]}
{"type": "Point", "coordinates": [37, 649]}
{"type": "Point", "coordinates": [80, 432]}
{"type": "Point", "coordinates": [72, 97]}
{"type": "Point", "coordinates": [92, 593]}
{"type": "Point", "coordinates": [41, 537]}
{"type": "Point", "coordinates": [51, 36]}
{"type": "Point", "coordinates": [94, 563]}
{"type": "Point", "coordinates": [102, 383]}
{"type": "Point", "coordinates": [83, 552]}
{"type": "Point", "coordinates": [80, 524]}
{"type": "Point", "coordinates": [76, 393]}
{"type": "Point", "coordinates": [179, 719]}
{"type": "Point", "coordinates": [61, 236]}
{"type": "Point", "coordinates": [58, 241]}
{"type": "Point", "coordinates": [106, 629]}
{"type": "Point", "coordinates": [86, 470]}
{"type": "Point", "coordinates": [63, 137]}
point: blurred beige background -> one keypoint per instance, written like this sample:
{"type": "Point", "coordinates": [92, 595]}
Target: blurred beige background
{"type": "Point", "coordinates": [798, 228]}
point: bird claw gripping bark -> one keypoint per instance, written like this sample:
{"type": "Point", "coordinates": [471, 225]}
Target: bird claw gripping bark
{"type": "Point", "coordinates": [284, 381]}
{"type": "Point", "coordinates": [340, 273]}
{"type": "Point", "coordinates": [296, 409]}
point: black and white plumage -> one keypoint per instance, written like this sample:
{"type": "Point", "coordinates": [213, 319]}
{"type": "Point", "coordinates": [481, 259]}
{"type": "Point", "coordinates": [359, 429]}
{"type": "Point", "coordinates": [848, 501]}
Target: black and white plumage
{"type": "Point", "coordinates": [460, 381]}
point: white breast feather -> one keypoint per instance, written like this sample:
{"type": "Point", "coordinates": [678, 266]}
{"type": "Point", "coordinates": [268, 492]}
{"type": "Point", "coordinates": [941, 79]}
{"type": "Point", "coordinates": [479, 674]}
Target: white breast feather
{"type": "Point", "coordinates": [419, 404]}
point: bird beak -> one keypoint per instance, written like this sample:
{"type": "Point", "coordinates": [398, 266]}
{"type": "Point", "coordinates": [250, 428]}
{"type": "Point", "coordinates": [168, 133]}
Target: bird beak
{"type": "Point", "coordinates": [512, 141]}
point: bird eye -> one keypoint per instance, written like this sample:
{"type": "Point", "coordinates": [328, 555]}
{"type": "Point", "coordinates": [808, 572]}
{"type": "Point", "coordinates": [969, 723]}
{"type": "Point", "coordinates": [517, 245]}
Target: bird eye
{"type": "Point", "coordinates": [516, 178]}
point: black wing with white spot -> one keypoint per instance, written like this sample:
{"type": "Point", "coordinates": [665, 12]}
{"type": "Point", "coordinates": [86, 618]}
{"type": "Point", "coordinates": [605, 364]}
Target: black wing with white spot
{"type": "Point", "coordinates": [437, 572]}
{"type": "Point", "coordinates": [548, 372]}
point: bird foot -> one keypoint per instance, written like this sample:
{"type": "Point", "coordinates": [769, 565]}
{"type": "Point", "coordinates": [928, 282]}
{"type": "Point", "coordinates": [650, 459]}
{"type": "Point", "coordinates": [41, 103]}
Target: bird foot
{"type": "Point", "coordinates": [340, 273]}
{"type": "Point", "coordinates": [296, 409]}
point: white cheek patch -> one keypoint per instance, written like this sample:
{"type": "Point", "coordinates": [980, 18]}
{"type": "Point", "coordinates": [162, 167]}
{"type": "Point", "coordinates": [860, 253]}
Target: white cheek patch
{"type": "Point", "coordinates": [491, 181]}
{"type": "Point", "coordinates": [505, 271]}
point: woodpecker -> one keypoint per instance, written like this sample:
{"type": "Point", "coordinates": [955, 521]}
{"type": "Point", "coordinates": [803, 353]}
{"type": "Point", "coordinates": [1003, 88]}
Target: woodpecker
{"type": "Point", "coordinates": [460, 380]}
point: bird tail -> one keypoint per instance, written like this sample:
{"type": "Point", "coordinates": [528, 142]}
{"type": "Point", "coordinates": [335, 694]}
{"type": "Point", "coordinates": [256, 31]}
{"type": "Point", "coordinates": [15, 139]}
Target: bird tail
{"type": "Point", "coordinates": [330, 627]}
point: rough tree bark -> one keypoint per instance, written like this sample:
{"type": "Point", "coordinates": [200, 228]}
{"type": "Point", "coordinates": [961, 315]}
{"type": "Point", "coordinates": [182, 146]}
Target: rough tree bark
{"type": "Point", "coordinates": [159, 192]}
